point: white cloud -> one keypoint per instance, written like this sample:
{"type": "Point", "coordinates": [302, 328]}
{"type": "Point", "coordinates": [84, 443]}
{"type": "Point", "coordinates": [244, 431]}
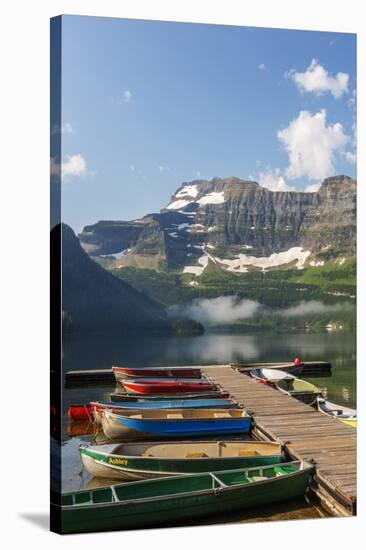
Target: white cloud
{"type": "Point", "coordinates": [74, 165]}
{"type": "Point", "coordinates": [262, 67]}
{"type": "Point", "coordinates": [312, 188]}
{"type": "Point", "coordinates": [273, 180]}
{"type": "Point", "coordinates": [198, 174]}
{"type": "Point", "coordinates": [132, 167]}
{"type": "Point", "coordinates": [317, 80]}
{"type": "Point", "coordinates": [350, 156]}
{"type": "Point", "coordinates": [67, 128]}
{"type": "Point", "coordinates": [311, 145]}
{"type": "Point", "coordinates": [126, 97]}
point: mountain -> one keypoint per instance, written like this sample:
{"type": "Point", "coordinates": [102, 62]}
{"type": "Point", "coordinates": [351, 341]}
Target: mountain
{"type": "Point", "coordinates": [233, 225]}
{"type": "Point", "coordinates": [94, 298]}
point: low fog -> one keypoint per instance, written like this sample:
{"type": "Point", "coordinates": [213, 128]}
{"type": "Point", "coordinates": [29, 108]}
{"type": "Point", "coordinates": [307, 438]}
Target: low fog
{"type": "Point", "coordinates": [228, 309]}
{"type": "Point", "coordinates": [224, 309]}
{"type": "Point", "coordinates": [311, 307]}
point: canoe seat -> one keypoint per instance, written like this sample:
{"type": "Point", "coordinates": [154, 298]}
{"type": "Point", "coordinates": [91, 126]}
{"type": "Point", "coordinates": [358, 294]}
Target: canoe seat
{"type": "Point", "coordinates": [196, 454]}
{"type": "Point", "coordinates": [258, 478]}
{"type": "Point", "coordinates": [249, 452]}
{"type": "Point", "coordinates": [135, 415]}
{"type": "Point", "coordinates": [222, 415]}
{"type": "Point", "coordinates": [174, 415]}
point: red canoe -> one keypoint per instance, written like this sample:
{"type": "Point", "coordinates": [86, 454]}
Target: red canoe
{"type": "Point", "coordinates": [80, 412]}
{"type": "Point", "coordinates": [121, 373]}
{"type": "Point", "coordinates": [166, 385]}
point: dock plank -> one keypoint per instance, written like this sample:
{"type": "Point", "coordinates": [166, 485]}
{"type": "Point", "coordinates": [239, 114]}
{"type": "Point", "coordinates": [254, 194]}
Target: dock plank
{"type": "Point", "coordinates": [306, 434]}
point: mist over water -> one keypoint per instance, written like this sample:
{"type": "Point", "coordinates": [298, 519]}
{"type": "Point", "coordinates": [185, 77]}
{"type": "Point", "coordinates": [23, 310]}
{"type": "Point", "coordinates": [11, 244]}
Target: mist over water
{"type": "Point", "coordinates": [224, 309]}
{"type": "Point", "coordinates": [313, 307]}
{"type": "Point", "coordinates": [228, 309]}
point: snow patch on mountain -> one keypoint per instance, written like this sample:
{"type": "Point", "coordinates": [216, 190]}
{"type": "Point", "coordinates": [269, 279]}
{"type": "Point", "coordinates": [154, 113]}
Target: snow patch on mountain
{"type": "Point", "coordinates": [241, 263]}
{"type": "Point", "coordinates": [274, 260]}
{"type": "Point", "coordinates": [197, 270]}
{"type": "Point", "coordinates": [187, 191]}
{"type": "Point", "coordinates": [191, 191]}
{"type": "Point", "coordinates": [182, 226]}
{"type": "Point", "coordinates": [212, 198]}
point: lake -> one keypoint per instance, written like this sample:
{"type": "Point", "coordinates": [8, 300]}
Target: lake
{"type": "Point", "coordinates": [97, 351]}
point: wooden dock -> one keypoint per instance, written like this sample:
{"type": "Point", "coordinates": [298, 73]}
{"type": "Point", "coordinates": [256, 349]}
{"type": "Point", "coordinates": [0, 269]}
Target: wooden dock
{"type": "Point", "coordinates": [305, 433]}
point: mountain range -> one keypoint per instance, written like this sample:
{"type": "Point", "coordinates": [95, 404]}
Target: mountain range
{"type": "Point", "coordinates": [235, 226]}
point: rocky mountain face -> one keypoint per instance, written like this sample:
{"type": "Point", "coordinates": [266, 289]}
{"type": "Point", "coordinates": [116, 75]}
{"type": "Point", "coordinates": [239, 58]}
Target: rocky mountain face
{"type": "Point", "coordinates": [234, 224]}
{"type": "Point", "coordinates": [93, 298]}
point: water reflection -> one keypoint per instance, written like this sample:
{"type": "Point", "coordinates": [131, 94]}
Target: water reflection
{"type": "Point", "coordinates": [102, 350]}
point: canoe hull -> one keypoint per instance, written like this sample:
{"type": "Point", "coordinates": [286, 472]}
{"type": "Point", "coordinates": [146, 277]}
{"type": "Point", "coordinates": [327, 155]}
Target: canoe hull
{"type": "Point", "coordinates": [346, 415]}
{"type": "Point", "coordinates": [171, 404]}
{"type": "Point", "coordinates": [123, 427]}
{"type": "Point", "coordinates": [180, 508]}
{"type": "Point", "coordinates": [305, 397]}
{"type": "Point", "coordinates": [165, 387]}
{"type": "Point", "coordinates": [80, 413]}
{"type": "Point", "coordinates": [214, 394]}
{"type": "Point", "coordinates": [299, 389]}
{"type": "Point", "coordinates": [271, 376]}
{"type": "Point", "coordinates": [122, 373]}
{"type": "Point", "coordinates": [131, 468]}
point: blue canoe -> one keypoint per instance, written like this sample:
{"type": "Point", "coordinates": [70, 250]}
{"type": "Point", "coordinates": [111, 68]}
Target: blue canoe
{"type": "Point", "coordinates": [140, 424]}
{"type": "Point", "coordinates": [172, 404]}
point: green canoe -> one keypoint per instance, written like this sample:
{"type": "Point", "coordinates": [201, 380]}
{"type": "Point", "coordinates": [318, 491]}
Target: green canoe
{"type": "Point", "coordinates": [299, 389]}
{"type": "Point", "coordinates": [162, 501]}
{"type": "Point", "coordinates": [134, 461]}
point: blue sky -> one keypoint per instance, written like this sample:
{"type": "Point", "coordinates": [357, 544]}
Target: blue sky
{"type": "Point", "coordinates": [148, 105]}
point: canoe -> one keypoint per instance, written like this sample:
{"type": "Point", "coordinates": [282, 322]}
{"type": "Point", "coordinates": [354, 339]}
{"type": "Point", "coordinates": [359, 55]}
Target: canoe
{"type": "Point", "coordinates": [300, 389]}
{"type": "Point", "coordinates": [166, 385]}
{"type": "Point", "coordinates": [179, 499]}
{"type": "Point", "coordinates": [288, 367]}
{"type": "Point", "coordinates": [147, 424]}
{"type": "Point", "coordinates": [121, 373]}
{"type": "Point", "coordinates": [269, 376]}
{"type": "Point", "coordinates": [133, 461]}
{"type": "Point", "coordinates": [344, 414]}
{"type": "Point", "coordinates": [172, 404]}
{"type": "Point", "coordinates": [138, 398]}
{"type": "Point", "coordinates": [80, 413]}
{"type": "Point", "coordinates": [217, 403]}
{"type": "Point", "coordinates": [89, 412]}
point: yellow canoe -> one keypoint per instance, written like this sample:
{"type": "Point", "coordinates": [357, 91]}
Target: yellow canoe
{"type": "Point", "coordinates": [339, 412]}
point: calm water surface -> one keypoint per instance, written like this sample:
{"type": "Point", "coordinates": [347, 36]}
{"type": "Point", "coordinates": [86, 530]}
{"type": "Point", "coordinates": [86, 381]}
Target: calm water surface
{"type": "Point", "coordinates": [102, 350]}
